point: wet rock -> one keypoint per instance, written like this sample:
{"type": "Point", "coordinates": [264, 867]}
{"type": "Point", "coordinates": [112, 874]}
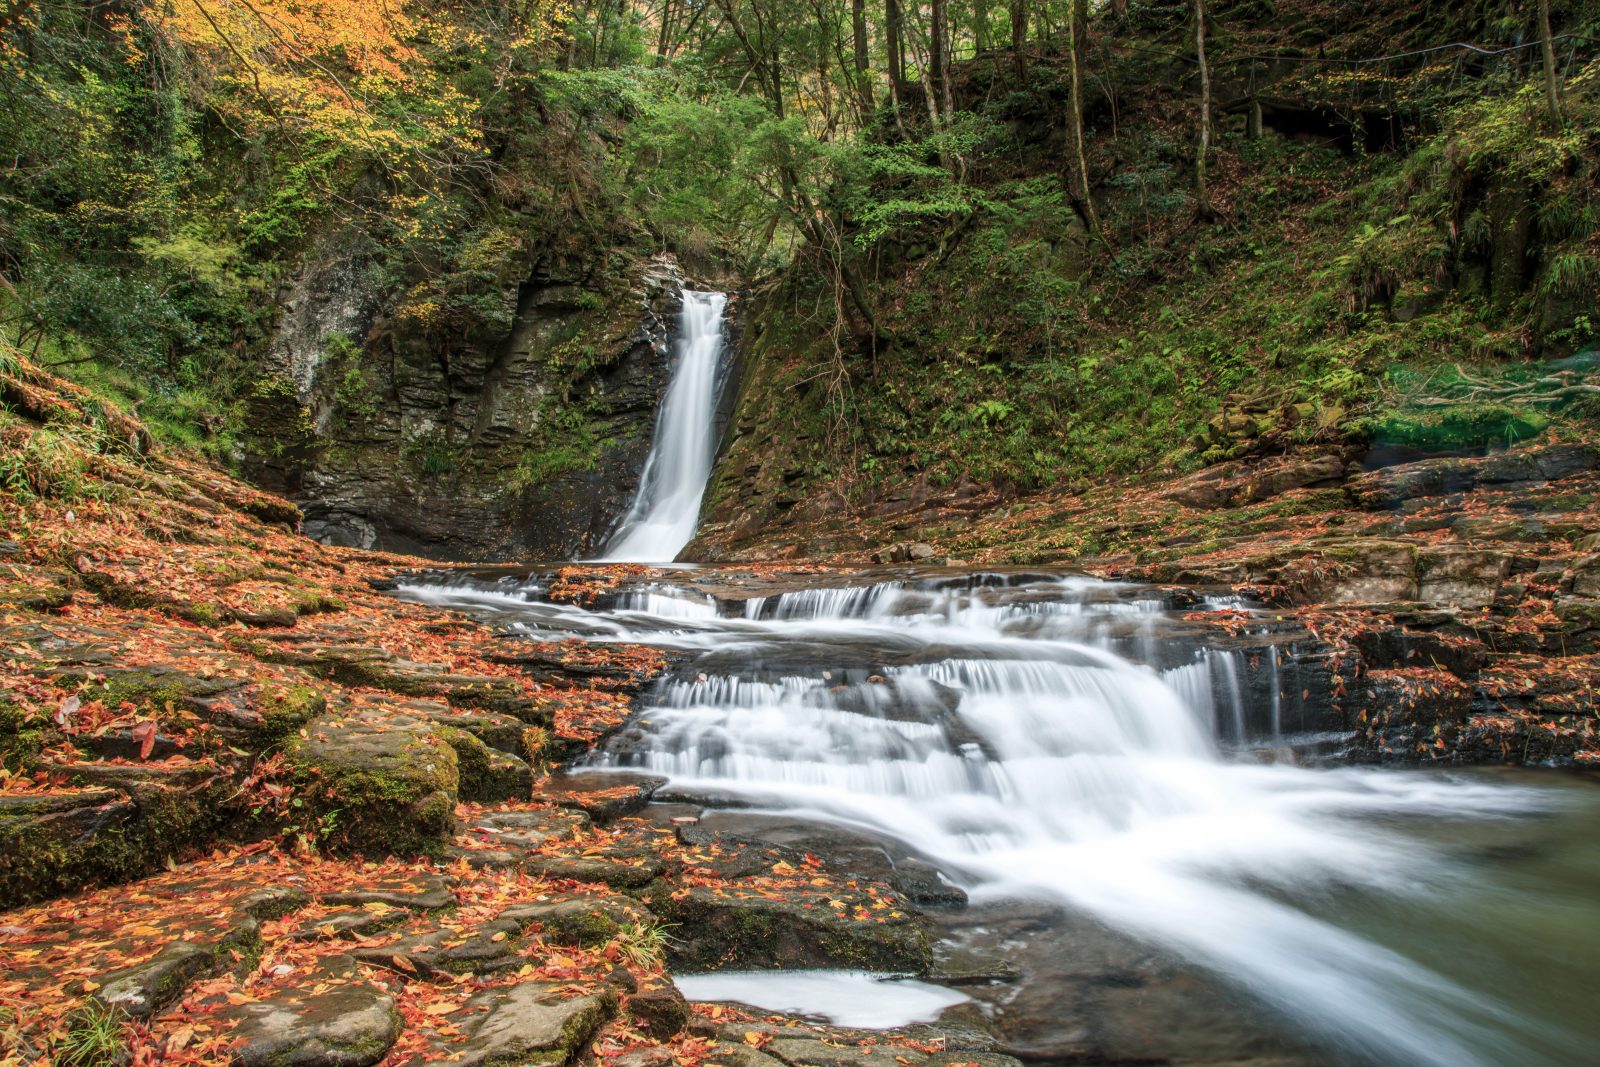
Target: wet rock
{"type": "Point", "coordinates": [588, 921]}
{"type": "Point", "coordinates": [388, 780]}
{"type": "Point", "coordinates": [662, 1010]}
{"type": "Point", "coordinates": [605, 798]}
{"type": "Point", "coordinates": [835, 927]}
{"type": "Point", "coordinates": [531, 1025]}
{"type": "Point", "coordinates": [1385, 647]}
{"type": "Point", "coordinates": [922, 884]}
{"type": "Point", "coordinates": [422, 893]}
{"type": "Point", "coordinates": [346, 1026]}
{"type": "Point", "coordinates": [1410, 714]}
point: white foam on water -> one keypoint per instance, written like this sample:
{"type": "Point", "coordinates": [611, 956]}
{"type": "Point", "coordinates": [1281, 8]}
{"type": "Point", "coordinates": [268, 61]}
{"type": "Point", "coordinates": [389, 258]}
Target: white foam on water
{"type": "Point", "coordinates": [1008, 740]}
{"type": "Point", "coordinates": [856, 999]}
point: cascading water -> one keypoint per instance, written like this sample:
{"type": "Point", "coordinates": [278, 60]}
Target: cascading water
{"type": "Point", "coordinates": [1073, 741]}
{"type": "Point", "coordinates": [662, 518]}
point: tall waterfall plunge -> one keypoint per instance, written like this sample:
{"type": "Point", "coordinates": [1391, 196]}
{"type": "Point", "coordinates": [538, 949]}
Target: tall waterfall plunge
{"type": "Point", "coordinates": [664, 512]}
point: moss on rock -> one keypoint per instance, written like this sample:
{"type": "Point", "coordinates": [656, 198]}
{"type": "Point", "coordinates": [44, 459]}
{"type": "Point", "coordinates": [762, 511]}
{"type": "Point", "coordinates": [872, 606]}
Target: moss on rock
{"type": "Point", "coordinates": [379, 783]}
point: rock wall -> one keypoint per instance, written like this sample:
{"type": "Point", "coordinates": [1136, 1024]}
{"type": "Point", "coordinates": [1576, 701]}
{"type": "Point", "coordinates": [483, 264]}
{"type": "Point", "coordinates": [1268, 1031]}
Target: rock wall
{"type": "Point", "coordinates": [523, 443]}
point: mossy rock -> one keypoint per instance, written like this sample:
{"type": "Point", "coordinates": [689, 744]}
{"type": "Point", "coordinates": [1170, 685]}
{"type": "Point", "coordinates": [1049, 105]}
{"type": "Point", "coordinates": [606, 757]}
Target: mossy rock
{"type": "Point", "coordinates": [717, 929]}
{"type": "Point", "coordinates": [378, 783]}
{"type": "Point", "coordinates": [285, 708]}
{"type": "Point", "coordinates": [52, 844]}
{"type": "Point", "coordinates": [487, 775]}
{"type": "Point", "coordinates": [587, 922]}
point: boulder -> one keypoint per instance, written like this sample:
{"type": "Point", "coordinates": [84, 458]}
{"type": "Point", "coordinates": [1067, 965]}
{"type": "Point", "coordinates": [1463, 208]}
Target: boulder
{"type": "Point", "coordinates": [532, 1024]}
{"type": "Point", "coordinates": [588, 921]}
{"type": "Point", "coordinates": [387, 781]}
{"type": "Point", "coordinates": [345, 1026]}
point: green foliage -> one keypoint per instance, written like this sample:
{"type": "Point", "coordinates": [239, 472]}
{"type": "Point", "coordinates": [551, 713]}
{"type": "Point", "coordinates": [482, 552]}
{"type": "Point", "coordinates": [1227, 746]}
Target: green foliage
{"type": "Point", "coordinates": [93, 1038]}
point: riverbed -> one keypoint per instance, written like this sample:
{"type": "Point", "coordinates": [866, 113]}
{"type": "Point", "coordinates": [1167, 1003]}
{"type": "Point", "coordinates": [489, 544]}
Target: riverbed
{"type": "Point", "coordinates": [1138, 803]}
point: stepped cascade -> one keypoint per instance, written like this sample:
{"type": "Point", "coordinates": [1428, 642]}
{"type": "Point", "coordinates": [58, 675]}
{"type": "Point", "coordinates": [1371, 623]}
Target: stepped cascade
{"type": "Point", "coordinates": [662, 518]}
{"type": "Point", "coordinates": [1086, 743]}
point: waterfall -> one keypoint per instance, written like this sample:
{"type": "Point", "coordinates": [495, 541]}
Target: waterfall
{"type": "Point", "coordinates": [1055, 738]}
{"type": "Point", "coordinates": [664, 512]}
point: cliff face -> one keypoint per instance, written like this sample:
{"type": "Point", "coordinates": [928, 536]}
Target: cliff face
{"type": "Point", "coordinates": [519, 443]}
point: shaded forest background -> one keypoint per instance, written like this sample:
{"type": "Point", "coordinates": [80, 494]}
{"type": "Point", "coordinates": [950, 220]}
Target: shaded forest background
{"type": "Point", "coordinates": [1026, 245]}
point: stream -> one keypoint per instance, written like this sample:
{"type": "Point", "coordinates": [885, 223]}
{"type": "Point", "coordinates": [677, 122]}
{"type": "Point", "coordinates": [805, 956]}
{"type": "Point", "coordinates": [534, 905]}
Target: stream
{"type": "Point", "coordinates": [1164, 858]}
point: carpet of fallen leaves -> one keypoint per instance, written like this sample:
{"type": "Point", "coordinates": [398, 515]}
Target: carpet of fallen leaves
{"type": "Point", "coordinates": [127, 558]}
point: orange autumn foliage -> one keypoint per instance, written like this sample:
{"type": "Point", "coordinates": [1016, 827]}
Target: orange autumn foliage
{"type": "Point", "coordinates": [358, 71]}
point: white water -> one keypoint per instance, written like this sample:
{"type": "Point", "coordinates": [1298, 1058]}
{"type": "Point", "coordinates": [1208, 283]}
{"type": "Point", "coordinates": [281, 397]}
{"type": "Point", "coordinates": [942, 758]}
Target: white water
{"type": "Point", "coordinates": [845, 998]}
{"type": "Point", "coordinates": [1003, 734]}
{"type": "Point", "coordinates": [666, 509]}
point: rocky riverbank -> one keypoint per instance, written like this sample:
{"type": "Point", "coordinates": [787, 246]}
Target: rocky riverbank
{"type": "Point", "coordinates": [324, 818]}
{"type": "Point", "coordinates": [1457, 597]}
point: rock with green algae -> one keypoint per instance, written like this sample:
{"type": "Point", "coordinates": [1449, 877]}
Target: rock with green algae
{"type": "Point", "coordinates": [380, 782]}
{"type": "Point", "coordinates": [124, 822]}
{"type": "Point", "coordinates": [746, 927]}
{"type": "Point", "coordinates": [531, 1024]}
{"type": "Point", "coordinates": [345, 1026]}
{"type": "Point", "coordinates": [587, 921]}
{"type": "Point", "coordinates": [488, 775]}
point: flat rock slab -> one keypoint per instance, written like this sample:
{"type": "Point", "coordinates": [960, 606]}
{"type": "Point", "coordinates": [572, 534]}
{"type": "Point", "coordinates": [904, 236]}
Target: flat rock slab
{"type": "Point", "coordinates": [742, 927]}
{"type": "Point", "coordinates": [422, 893]}
{"type": "Point", "coordinates": [621, 873]}
{"type": "Point", "coordinates": [604, 797]}
{"type": "Point", "coordinates": [528, 1025]}
{"type": "Point", "coordinates": [142, 989]}
{"type": "Point", "coordinates": [587, 922]}
{"type": "Point", "coordinates": [486, 949]}
{"type": "Point", "coordinates": [346, 1026]}
{"type": "Point", "coordinates": [806, 1046]}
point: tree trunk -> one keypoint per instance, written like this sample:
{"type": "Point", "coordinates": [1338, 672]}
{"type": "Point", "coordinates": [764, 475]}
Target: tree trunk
{"type": "Point", "coordinates": [1077, 35]}
{"type": "Point", "coordinates": [1552, 90]}
{"type": "Point", "coordinates": [939, 56]}
{"type": "Point", "coordinates": [664, 40]}
{"type": "Point", "coordinates": [1201, 191]}
{"type": "Point", "coordinates": [858, 26]}
{"type": "Point", "coordinates": [895, 46]}
{"type": "Point", "coordinates": [1019, 37]}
